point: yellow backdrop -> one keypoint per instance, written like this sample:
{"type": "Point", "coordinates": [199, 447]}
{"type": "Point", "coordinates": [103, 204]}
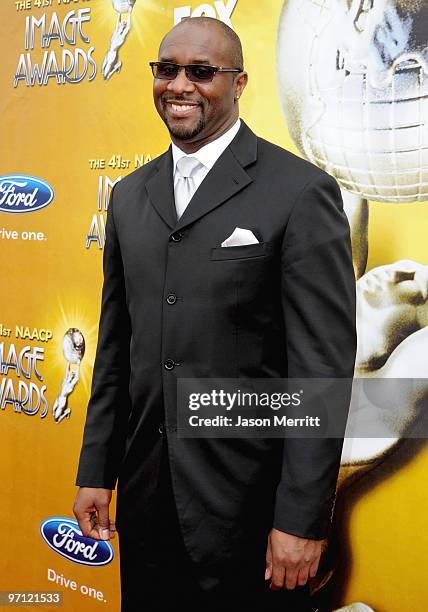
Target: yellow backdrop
{"type": "Point", "coordinates": [63, 133]}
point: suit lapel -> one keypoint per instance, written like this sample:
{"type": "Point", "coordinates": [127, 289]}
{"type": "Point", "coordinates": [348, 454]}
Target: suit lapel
{"type": "Point", "coordinates": [226, 178]}
{"type": "Point", "coordinates": [160, 188]}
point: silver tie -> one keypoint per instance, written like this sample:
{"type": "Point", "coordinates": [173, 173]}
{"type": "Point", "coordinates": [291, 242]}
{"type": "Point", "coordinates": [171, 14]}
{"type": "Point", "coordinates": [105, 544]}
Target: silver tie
{"type": "Point", "coordinates": [185, 186]}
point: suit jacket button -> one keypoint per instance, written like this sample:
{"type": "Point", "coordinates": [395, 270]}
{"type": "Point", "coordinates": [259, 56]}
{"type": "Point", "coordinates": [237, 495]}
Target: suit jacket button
{"type": "Point", "coordinates": [169, 364]}
{"type": "Point", "coordinates": [161, 428]}
{"type": "Point", "coordinates": [176, 237]}
{"type": "Point", "coordinates": [171, 298]}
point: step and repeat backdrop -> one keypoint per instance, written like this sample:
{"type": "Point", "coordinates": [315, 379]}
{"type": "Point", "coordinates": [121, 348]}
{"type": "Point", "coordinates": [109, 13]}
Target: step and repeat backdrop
{"type": "Point", "coordinates": [343, 83]}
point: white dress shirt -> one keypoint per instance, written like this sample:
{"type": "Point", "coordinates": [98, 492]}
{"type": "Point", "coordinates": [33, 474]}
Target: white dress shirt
{"type": "Point", "coordinates": [206, 155]}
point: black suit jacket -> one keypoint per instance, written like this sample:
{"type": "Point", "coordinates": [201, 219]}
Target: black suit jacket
{"type": "Point", "coordinates": [283, 307]}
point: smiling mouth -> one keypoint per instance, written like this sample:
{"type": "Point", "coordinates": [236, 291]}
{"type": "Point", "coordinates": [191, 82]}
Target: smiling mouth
{"type": "Point", "coordinates": [181, 109]}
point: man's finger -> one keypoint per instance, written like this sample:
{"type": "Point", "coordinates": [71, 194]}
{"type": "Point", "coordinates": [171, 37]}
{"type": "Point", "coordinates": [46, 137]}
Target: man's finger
{"type": "Point", "coordinates": [303, 575]}
{"type": "Point", "coordinates": [88, 528]}
{"type": "Point", "coordinates": [291, 578]}
{"type": "Point", "coordinates": [85, 524]}
{"type": "Point", "coordinates": [103, 522]}
{"type": "Point", "coordinates": [94, 534]}
{"type": "Point", "coordinates": [313, 568]}
{"type": "Point", "coordinates": [268, 571]}
{"type": "Point", "coordinates": [278, 574]}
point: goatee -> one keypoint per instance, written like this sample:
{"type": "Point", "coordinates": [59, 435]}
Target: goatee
{"type": "Point", "coordinates": [183, 133]}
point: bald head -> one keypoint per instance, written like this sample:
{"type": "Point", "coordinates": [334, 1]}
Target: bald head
{"type": "Point", "coordinates": [232, 42]}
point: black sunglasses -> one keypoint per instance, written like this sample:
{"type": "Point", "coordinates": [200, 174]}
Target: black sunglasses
{"type": "Point", "coordinates": [198, 73]}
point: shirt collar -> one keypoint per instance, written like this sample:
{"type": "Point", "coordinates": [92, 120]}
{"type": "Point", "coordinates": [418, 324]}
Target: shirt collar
{"type": "Point", "coordinates": [209, 153]}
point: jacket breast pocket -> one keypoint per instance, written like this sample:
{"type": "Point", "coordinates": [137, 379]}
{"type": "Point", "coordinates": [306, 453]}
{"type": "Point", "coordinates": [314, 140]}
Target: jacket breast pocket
{"type": "Point", "coordinates": [243, 251]}
{"type": "Point", "coordinates": [245, 274]}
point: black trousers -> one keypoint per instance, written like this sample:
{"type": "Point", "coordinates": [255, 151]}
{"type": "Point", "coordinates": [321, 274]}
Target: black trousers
{"type": "Point", "coordinates": [157, 574]}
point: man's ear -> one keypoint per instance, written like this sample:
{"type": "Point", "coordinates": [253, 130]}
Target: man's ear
{"type": "Point", "coordinates": [240, 83]}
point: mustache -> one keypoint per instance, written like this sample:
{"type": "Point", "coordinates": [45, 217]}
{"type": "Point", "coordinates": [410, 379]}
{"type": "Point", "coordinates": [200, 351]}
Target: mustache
{"type": "Point", "coordinates": [166, 99]}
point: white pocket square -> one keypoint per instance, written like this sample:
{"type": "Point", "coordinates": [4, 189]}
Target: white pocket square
{"type": "Point", "coordinates": [239, 237]}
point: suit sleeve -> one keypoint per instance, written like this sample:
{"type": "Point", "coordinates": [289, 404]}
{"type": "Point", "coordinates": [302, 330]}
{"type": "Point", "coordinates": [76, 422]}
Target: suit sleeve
{"type": "Point", "coordinates": [109, 405]}
{"type": "Point", "coordinates": [318, 305]}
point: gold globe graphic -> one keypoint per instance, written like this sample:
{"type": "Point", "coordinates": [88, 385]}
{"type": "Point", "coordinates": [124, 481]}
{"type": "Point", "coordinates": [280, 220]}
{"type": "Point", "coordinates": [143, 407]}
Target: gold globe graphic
{"type": "Point", "coordinates": [353, 83]}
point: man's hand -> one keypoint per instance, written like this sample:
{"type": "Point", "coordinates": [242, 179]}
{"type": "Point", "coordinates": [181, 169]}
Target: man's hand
{"type": "Point", "coordinates": [91, 511]}
{"type": "Point", "coordinates": [291, 560]}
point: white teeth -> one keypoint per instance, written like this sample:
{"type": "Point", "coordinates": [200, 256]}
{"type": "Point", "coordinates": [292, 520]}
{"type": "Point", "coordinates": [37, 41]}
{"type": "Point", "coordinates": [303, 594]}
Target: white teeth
{"type": "Point", "coordinates": [181, 107]}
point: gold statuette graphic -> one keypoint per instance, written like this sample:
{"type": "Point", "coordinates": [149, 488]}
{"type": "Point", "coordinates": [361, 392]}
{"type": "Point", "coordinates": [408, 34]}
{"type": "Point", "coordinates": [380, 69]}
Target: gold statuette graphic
{"type": "Point", "coordinates": [112, 63]}
{"type": "Point", "coordinates": [73, 348]}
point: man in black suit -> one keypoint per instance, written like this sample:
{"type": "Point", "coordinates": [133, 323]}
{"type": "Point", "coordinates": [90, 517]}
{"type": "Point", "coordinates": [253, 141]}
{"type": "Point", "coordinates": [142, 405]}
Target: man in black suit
{"type": "Point", "coordinates": [225, 257]}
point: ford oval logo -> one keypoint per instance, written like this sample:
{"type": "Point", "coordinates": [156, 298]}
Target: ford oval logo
{"type": "Point", "coordinates": [20, 193]}
{"type": "Point", "coordinates": [63, 535]}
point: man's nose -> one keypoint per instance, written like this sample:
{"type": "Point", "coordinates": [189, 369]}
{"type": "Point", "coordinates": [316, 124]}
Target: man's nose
{"type": "Point", "coordinates": [181, 83]}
